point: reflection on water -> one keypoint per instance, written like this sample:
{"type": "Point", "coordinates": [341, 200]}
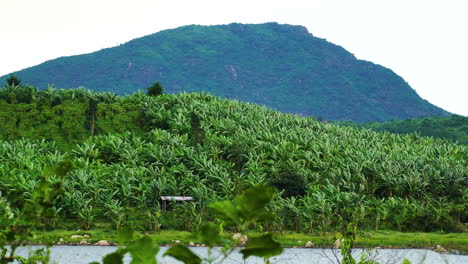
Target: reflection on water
{"type": "Point", "coordinates": [87, 254]}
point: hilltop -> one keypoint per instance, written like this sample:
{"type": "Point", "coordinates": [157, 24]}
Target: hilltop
{"type": "Point", "coordinates": [281, 66]}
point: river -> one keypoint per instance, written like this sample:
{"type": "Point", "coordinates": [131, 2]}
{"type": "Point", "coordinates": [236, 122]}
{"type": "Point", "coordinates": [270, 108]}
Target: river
{"type": "Point", "coordinates": [87, 254]}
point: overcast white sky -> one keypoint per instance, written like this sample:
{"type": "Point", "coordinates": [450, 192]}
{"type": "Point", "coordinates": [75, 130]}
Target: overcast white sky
{"type": "Point", "coordinates": [424, 41]}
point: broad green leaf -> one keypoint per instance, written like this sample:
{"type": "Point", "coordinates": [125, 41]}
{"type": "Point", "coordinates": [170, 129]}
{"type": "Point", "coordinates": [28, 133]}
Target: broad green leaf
{"type": "Point", "coordinates": [143, 251]}
{"type": "Point", "coordinates": [252, 202]}
{"type": "Point", "coordinates": [263, 246]}
{"type": "Point", "coordinates": [209, 234]}
{"type": "Point", "coordinates": [125, 235]}
{"type": "Point", "coordinates": [226, 211]}
{"type": "Point", "coordinates": [113, 258]}
{"type": "Point", "coordinates": [255, 198]}
{"type": "Point", "coordinates": [406, 261]}
{"type": "Point", "coordinates": [250, 206]}
{"type": "Point", "coordinates": [184, 254]}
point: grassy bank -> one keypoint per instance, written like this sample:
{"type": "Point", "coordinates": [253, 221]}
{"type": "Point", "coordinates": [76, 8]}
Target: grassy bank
{"type": "Point", "coordinates": [384, 239]}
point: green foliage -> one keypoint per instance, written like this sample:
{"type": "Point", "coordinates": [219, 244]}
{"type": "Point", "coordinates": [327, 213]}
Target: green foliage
{"type": "Point", "coordinates": [59, 115]}
{"type": "Point", "coordinates": [398, 182]}
{"type": "Point", "coordinates": [125, 235]}
{"type": "Point", "coordinates": [113, 258]}
{"type": "Point", "coordinates": [281, 66]}
{"type": "Point", "coordinates": [246, 208]}
{"type": "Point", "coordinates": [197, 134]}
{"type": "Point", "coordinates": [12, 80]}
{"type": "Point", "coordinates": [348, 244]}
{"type": "Point", "coordinates": [366, 260]}
{"type": "Point", "coordinates": [14, 233]}
{"type": "Point", "coordinates": [18, 94]}
{"type": "Point", "coordinates": [143, 251]}
{"type": "Point", "coordinates": [41, 255]}
{"type": "Point", "coordinates": [182, 253]}
{"type": "Point", "coordinates": [91, 116]}
{"type": "Point", "coordinates": [454, 128]}
{"type": "Point", "coordinates": [155, 90]}
{"type": "Point", "coordinates": [263, 246]}
{"type": "Point", "coordinates": [291, 184]}
{"type": "Point", "coordinates": [209, 234]}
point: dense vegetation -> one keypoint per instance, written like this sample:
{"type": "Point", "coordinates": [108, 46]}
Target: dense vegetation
{"type": "Point", "coordinates": [280, 66]}
{"type": "Point", "coordinates": [213, 149]}
{"type": "Point", "coordinates": [454, 128]}
{"type": "Point", "coordinates": [64, 116]}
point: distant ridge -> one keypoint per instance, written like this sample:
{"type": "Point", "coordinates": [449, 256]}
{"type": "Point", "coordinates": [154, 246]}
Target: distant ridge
{"type": "Point", "coordinates": [281, 66]}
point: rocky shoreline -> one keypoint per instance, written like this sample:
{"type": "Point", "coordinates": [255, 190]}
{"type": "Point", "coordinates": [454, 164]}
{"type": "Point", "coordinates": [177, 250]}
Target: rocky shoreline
{"type": "Point", "coordinates": [88, 238]}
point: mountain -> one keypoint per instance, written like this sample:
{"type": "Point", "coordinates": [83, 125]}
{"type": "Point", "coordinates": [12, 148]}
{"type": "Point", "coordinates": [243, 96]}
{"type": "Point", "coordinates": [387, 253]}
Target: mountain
{"type": "Point", "coordinates": [280, 66]}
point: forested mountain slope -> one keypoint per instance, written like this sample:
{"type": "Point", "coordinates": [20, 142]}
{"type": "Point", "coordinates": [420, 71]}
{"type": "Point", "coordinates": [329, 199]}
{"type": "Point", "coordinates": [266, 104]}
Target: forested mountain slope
{"type": "Point", "coordinates": [454, 127]}
{"type": "Point", "coordinates": [280, 66]}
{"type": "Point", "coordinates": [210, 148]}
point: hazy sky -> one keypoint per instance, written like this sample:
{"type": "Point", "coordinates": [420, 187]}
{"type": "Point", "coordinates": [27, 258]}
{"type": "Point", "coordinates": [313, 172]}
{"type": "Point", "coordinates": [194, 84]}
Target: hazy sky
{"type": "Point", "coordinates": [424, 41]}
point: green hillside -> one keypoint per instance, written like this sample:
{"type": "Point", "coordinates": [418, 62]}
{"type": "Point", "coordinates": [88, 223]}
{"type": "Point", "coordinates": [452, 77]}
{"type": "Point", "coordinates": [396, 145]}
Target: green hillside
{"type": "Point", "coordinates": [61, 115]}
{"type": "Point", "coordinates": [210, 148]}
{"type": "Point", "coordinates": [454, 128]}
{"type": "Point", "coordinates": [280, 66]}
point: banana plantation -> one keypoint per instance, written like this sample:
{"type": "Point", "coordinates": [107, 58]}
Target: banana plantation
{"type": "Point", "coordinates": [129, 151]}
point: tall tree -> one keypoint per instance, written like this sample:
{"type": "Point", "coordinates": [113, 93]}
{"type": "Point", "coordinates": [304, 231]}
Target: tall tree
{"type": "Point", "coordinates": [155, 90]}
{"type": "Point", "coordinates": [12, 80]}
{"type": "Point", "coordinates": [197, 134]}
{"type": "Point", "coordinates": [91, 116]}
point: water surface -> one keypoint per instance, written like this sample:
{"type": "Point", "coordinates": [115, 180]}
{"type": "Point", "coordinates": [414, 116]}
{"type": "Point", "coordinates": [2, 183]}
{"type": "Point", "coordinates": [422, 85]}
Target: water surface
{"type": "Point", "coordinates": [87, 254]}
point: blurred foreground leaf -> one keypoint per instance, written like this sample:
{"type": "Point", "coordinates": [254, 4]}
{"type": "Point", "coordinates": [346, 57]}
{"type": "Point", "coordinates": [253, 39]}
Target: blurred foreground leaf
{"type": "Point", "coordinates": [226, 211]}
{"type": "Point", "coordinates": [113, 258]}
{"type": "Point", "coordinates": [125, 235]}
{"type": "Point", "coordinates": [143, 251]}
{"type": "Point", "coordinates": [263, 246]}
{"type": "Point", "coordinates": [250, 206]}
{"type": "Point", "coordinates": [184, 254]}
{"type": "Point", "coordinates": [209, 234]}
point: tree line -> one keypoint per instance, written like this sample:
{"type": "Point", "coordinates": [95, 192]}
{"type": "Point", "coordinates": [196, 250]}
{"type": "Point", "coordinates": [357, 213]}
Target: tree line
{"type": "Point", "coordinates": [453, 128]}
